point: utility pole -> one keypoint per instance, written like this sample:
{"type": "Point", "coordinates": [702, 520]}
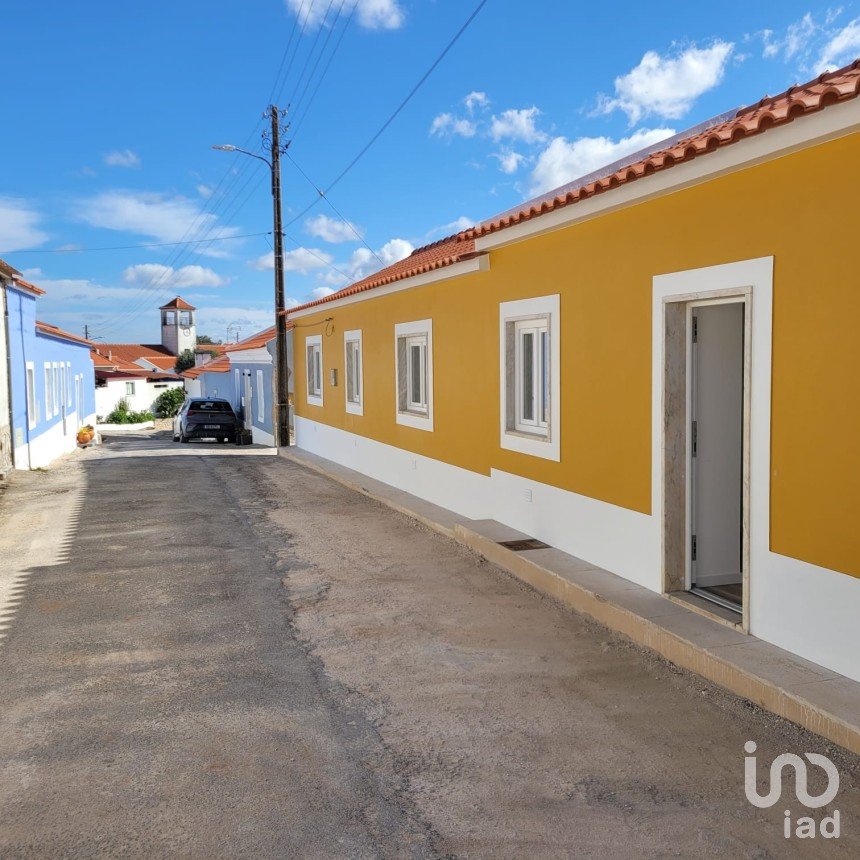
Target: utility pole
{"type": "Point", "coordinates": [281, 404]}
{"type": "Point", "coordinates": [86, 332]}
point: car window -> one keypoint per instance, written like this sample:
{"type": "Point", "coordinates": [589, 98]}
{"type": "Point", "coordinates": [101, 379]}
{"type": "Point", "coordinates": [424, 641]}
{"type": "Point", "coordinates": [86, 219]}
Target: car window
{"type": "Point", "coordinates": [210, 406]}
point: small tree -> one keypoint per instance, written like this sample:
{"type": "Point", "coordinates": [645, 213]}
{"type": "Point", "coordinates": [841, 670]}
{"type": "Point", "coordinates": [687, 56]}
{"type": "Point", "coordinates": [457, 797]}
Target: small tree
{"type": "Point", "coordinates": [205, 339]}
{"type": "Point", "coordinates": [185, 361]}
{"type": "Point", "coordinates": [169, 402]}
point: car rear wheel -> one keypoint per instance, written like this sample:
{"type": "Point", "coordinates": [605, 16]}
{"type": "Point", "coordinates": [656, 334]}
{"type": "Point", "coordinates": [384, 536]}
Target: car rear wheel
{"type": "Point", "coordinates": [184, 438]}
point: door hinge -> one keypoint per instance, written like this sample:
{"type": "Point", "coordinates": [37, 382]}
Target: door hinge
{"type": "Point", "coordinates": [695, 329]}
{"type": "Point", "coordinates": [695, 440]}
{"type": "Point", "coordinates": [693, 548]}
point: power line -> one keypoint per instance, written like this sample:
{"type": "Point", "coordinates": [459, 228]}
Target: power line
{"type": "Point", "coordinates": [394, 115]}
{"type": "Point", "coordinates": [131, 247]}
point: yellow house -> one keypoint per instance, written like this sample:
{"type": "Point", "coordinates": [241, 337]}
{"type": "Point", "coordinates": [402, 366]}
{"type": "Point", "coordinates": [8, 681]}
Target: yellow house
{"type": "Point", "coordinates": [655, 368]}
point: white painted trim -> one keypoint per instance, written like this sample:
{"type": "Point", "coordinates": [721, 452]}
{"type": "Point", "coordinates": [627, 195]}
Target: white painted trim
{"type": "Point", "coordinates": [262, 437]}
{"type": "Point", "coordinates": [412, 419]}
{"type": "Point", "coordinates": [547, 447]}
{"type": "Point", "coordinates": [259, 355]}
{"type": "Point", "coordinates": [32, 407]}
{"type": "Point", "coordinates": [455, 270]}
{"type": "Point", "coordinates": [261, 397]}
{"type": "Point", "coordinates": [836, 121]}
{"type": "Point", "coordinates": [353, 336]}
{"type": "Point", "coordinates": [314, 399]}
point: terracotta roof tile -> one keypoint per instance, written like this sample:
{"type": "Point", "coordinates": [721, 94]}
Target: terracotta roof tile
{"type": "Point", "coordinates": [53, 331]}
{"type": "Point", "coordinates": [828, 89]}
{"type": "Point", "coordinates": [219, 365]}
{"type": "Point", "coordinates": [772, 111]}
{"type": "Point", "coordinates": [255, 341]}
{"type": "Point", "coordinates": [177, 304]}
{"type": "Point", "coordinates": [134, 351]}
{"type": "Point", "coordinates": [443, 253]}
{"type": "Point", "coordinates": [30, 288]}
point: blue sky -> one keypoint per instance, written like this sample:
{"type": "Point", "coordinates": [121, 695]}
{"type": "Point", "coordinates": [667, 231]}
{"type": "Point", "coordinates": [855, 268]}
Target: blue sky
{"type": "Point", "coordinates": [110, 110]}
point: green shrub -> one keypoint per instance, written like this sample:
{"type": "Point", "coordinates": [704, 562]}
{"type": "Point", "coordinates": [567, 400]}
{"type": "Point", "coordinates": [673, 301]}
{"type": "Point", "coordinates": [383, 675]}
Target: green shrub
{"type": "Point", "coordinates": [169, 402]}
{"type": "Point", "coordinates": [121, 415]}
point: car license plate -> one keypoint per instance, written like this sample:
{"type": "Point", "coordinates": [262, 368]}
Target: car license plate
{"type": "Point", "coordinates": [211, 426]}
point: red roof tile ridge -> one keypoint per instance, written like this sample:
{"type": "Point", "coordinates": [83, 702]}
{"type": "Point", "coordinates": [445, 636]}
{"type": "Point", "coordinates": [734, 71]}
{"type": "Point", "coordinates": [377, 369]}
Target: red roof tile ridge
{"type": "Point", "coordinates": [825, 90]}
{"type": "Point", "coordinates": [48, 328]}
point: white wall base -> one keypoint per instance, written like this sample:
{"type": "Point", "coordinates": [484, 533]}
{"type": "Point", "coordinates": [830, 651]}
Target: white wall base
{"type": "Point", "coordinates": [261, 437]}
{"type": "Point", "coordinates": [47, 446]}
{"type": "Point", "coordinates": [797, 606]}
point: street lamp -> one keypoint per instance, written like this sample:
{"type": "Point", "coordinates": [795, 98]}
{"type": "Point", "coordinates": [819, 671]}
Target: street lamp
{"type": "Point", "coordinates": [281, 400]}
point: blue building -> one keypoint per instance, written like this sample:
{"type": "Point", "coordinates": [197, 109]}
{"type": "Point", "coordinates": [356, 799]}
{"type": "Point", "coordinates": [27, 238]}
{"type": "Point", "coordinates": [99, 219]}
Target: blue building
{"type": "Point", "coordinates": [51, 381]}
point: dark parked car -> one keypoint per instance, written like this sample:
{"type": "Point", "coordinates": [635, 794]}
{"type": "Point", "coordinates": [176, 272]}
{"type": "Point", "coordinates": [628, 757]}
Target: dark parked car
{"type": "Point", "coordinates": [206, 418]}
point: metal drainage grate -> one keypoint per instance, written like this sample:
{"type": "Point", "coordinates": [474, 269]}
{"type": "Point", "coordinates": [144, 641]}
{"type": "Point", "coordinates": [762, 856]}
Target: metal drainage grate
{"type": "Point", "coordinates": [520, 545]}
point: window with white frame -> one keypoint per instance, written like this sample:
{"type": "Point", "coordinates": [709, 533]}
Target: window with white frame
{"type": "Point", "coordinates": [354, 374]}
{"type": "Point", "coordinates": [530, 370]}
{"type": "Point", "coordinates": [63, 385]}
{"type": "Point", "coordinates": [69, 384]}
{"type": "Point", "coordinates": [129, 389]}
{"type": "Point", "coordinates": [414, 359]}
{"type": "Point", "coordinates": [49, 395]}
{"type": "Point", "coordinates": [56, 390]}
{"type": "Point", "coordinates": [261, 398]}
{"type": "Point", "coordinates": [314, 365]}
{"type": "Point", "coordinates": [32, 415]}
{"type": "Point", "coordinates": [237, 392]}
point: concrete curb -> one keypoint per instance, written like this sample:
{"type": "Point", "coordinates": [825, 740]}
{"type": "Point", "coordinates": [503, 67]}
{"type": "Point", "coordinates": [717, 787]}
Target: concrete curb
{"type": "Point", "coordinates": [808, 695]}
{"type": "Point", "coordinates": [123, 429]}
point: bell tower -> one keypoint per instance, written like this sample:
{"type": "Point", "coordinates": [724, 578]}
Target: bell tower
{"type": "Point", "coordinates": [178, 326]}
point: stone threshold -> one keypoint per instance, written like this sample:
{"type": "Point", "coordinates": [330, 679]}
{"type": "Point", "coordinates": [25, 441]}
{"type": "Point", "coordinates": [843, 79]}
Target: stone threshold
{"type": "Point", "coordinates": [809, 695]}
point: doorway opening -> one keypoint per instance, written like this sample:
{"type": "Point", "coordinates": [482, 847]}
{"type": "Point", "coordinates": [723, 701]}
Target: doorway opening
{"type": "Point", "coordinates": [706, 452]}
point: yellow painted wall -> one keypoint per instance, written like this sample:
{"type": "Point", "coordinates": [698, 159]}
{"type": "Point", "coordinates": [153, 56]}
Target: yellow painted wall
{"type": "Point", "coordinates": [801, 209]}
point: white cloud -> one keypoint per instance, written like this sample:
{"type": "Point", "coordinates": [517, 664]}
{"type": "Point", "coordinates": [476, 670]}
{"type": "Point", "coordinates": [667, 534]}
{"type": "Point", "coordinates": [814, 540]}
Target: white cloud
{"type": "Point", "coordinates": [371, 14]}
{"type": "Point", "coordinates": [509, 161]}
{"type": "Point", "coordinates": [842, 47]}
{"type": "Point", "coordinates": [449, 229]}
{"type": "Point", "coordinates": [145, 274]}
{"type": "Point", "coordinates": [668, 86]}
{"type": "Point", "coordinates": [447, 123]}
{"type": "Point", "coordinates": [363, 262]}
{"type": "Point", "coordinates": [247, 320]}
{"type": "Point", "coordinates": [517, 125]}
{"type": "Point", "coordinates": [81, 291]}
{"type": "Point", "coordinates": [320, 292]}
{"type": "Point", "coordinates": [155, 216]}
{"type": "Point", "coordinates": [563, 161]}
{"type": "Point", "coordinates": [122, 158]}
{"type": "Point", "coordinates": [204, 191]}
{"type": "Point", "coordinates": [475, 100]}
{"type": "Point", "coordinates": [302, 260]}
{"type": "Point", "coordinates": [332, 230]}
{"type": "Point", "coordinates": [19, 225]}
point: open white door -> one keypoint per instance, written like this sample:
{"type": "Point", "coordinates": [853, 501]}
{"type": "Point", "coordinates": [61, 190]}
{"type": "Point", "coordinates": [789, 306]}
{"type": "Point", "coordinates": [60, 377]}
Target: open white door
{"type": "Point", "coordinates": [717, 438]}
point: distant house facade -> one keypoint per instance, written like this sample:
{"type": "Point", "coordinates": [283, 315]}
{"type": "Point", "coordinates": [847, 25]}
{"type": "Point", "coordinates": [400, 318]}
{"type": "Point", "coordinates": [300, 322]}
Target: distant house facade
{"type": "Point", "coordinates": [139, 372]}
{"type": "Point", "coordinates": [51, 381]}
{"type": "Point", "coordinates": [653, 368]}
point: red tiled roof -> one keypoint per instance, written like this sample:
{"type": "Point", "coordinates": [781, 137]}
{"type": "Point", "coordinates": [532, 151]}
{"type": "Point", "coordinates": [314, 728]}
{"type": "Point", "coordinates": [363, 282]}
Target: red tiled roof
{"type": "Point", "coordinates": [163, 362]}
{"type": "Point", "coordinates": [140, 373]}
{"type": "Point", "coordinates": [445, 252]}
{"type": "Point", "coordinates": [211, 348]}
{"type": "Point", "coordinates": [177, 304]}
{"type": "Point", "coordinates": [8, 271]}
{"type": "Point", "coordinates": [53, 331]}
{"type": "Point", "coordinates": [134, 351]}
{"type": "Point", "coordinates": [772, 111]}
{"type": "Point", "coordinates": [255, 341]}
{"type": "Point", "coordinates": [30, 288]}
{"type": "Point", "coordinates": [219, 365]}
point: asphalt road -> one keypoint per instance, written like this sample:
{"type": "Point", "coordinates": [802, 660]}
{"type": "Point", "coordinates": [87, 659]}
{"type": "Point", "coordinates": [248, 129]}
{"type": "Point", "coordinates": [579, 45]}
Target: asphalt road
{"type": "Point", "coordinates": [210, 652]}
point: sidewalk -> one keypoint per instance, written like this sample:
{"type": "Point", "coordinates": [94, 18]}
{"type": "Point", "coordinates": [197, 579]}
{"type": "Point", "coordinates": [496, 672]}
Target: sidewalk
{"type": "Point", "coordinates": [809, 695]}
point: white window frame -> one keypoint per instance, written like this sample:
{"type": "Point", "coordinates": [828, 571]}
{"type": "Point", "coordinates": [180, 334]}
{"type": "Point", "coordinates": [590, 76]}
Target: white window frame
{"type": "Point", "coordinates": [56, 389]}
{"type": "Point", "coordinates": [30, 385]}
{"type": "Point", "coordinates": [535, 438]}
{"type": "Point", "coordinates": [314, 397]}
{"type": "Point", "coordinates": [237, 393]}
{"type": "Point", "coordinates": [261, 398]}
{"type": "Point", "coordinates": [49, 382]}
{"type": "Point", "coordinates": [352, 339]}
{"type": "Point", "coordinates": [420, 332]}
{"type": "Point", "coordinates": [127, 392]}
{"type": "Point", "coordinates": [69, 403]}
